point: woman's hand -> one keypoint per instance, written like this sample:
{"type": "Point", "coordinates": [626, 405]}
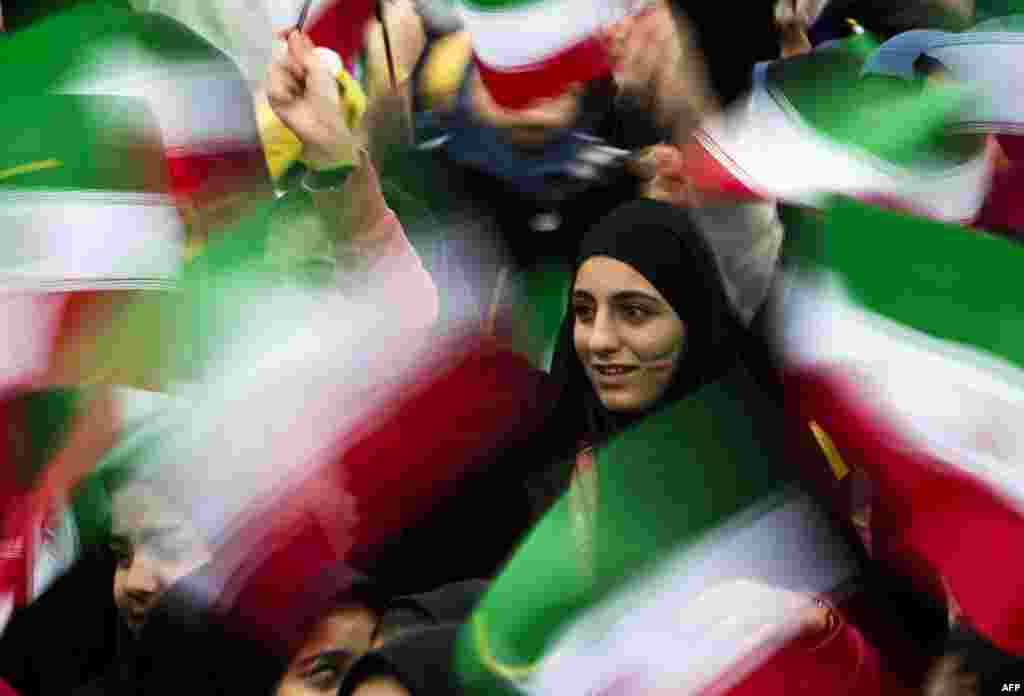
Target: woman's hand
{"type": "Point", "coordinates": [659, 169]}
{"type": "Point", "coordinates": [793, 19]}
{"type": "Point", "coordinates": [657, 62]}
{"type": "Point", "coordinates": [304, 93]}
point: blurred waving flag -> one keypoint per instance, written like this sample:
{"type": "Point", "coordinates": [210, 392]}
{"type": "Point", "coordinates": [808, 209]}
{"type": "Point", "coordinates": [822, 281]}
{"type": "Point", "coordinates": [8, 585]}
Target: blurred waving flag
{"type": "Point", "coordinates": [89, 223]}
{"type": "Point", "coordinates": [685, 505]}
{"type": "Point", "coordinates": [196, 93]}
{"type": "Point", "coordinates": [901, 339]}
{"type": "Point", "coordinates": [722, 613]}
{"type": "Point", "coordinates": [814, 125]}
{"type": "Point", "coordinates": [562, 45]}
{"type": "Point", "coordinates": [340, 25]}
{"type": "Point", "coordinates": [331, 431]}
{"type": "Point", "coordinates": [90, 228]}
{"type": "Point", "coordinates": [241, 29]}
{"type": "Point", "coordinates": [985, 59]}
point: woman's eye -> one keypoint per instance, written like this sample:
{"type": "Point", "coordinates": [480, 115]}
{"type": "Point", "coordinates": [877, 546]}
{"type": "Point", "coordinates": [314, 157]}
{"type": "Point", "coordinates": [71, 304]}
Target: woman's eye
{"type": "Point", "coordinates": [324, 677]}
{"type": "Point", "coordinates": [636, 313]}
{"type": "Point", "coordinates": [582, 312]}
{"type": "Point", "coordinates": [122, 556]}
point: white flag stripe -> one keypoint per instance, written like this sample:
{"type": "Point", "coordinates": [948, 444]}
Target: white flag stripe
{"type": "Point", "coordinates": [737, 592]}
{"type": "Point", "coordinates": [988, 62]}
{"type": "Point", "coordinates": [767, 146]}
{"type": "Point", "coordinates": [6, 609]}
{"type": "Point", "coordinates": [64, 240]}
{"type": "Point", "coordinates": [242, 29]}
{"type": "Point", "coordinates": [957, 403]}
{"type": "Point", "coordinates": [25, 351]}
{"type": "Point", "coordinates": [522, 34]}
{"type": "Point", "coordinates": [194, 103]}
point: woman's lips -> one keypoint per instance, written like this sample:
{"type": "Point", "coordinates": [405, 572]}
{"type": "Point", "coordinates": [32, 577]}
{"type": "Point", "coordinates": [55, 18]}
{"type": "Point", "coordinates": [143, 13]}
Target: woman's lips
{"type": "Point", "coordinates": [613, 373]}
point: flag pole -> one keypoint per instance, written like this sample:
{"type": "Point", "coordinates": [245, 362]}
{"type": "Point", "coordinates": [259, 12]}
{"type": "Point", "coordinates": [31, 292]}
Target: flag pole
{"type": "Point", "coordinates": [303, 14]}
{"type": "Point", "coordinates": [407, 126]}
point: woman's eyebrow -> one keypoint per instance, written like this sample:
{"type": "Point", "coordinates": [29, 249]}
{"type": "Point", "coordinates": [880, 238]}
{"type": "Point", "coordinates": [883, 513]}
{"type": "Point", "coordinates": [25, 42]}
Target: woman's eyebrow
{"type": "Point", "coordinates": [626, 295]}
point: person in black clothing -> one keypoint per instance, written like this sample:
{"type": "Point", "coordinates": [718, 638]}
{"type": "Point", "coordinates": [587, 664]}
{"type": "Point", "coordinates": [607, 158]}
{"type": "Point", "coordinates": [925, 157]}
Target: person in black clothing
{"type": "Point", "coordinates": [414, 644]}
{"type": "Point", "coordinates": [132, 618]}
{"type": "Point", "coordinates": [342, 634]}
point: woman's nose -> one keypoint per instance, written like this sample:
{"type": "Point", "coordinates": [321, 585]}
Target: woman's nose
{"type": "Point", "coordinates": [604, 337]}
{"type": "Point", "coordinates": [142, 579]}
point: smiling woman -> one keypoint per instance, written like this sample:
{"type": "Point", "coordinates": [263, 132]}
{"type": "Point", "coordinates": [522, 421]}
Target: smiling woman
{"type": "Point", "coordinates": [627, 336]}
{"type": "Point", "coordinates": [154, 544]}
{"type": "Point", "coordinates": [649, 321]}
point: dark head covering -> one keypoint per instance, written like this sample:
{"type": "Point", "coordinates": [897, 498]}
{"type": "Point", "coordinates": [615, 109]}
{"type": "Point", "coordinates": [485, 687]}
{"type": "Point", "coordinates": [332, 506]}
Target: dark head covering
{"type": "Point", "coordinates": [731, 42]}
{"type": "Point", "coordinates": [886, 19]}
{"type": "Point", "coordinates": [981, 657]}
{"type": "Point", "coordinates": [422, 631]}
{"type": "Point", "coordinates": [662, 243]}
{"type": "Point", "coordinates": [451, 603]}
{"type": "Point", "coordinates": [422, 661]}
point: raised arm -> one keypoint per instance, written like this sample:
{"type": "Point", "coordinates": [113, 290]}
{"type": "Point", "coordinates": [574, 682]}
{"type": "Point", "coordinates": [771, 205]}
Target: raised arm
{"type": "Point", "coordinates": [369, 240]}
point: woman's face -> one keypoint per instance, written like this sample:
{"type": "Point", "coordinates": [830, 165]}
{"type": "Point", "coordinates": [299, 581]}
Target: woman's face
{"type": "Point", "coordinates": [155, 546]}
{"type": "Point", "coordinates": [330, 650]}
{"type": "Point", "coordinates": [627, 336]}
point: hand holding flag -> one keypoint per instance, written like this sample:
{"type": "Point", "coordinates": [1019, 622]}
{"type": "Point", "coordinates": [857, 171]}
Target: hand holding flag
{"type": "Point", "coordinates": [655, 60]}
{"type": "Point", "coordinates": [303, 92]}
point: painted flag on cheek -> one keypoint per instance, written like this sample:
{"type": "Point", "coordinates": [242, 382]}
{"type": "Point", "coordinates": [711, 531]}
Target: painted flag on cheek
{"type": "Point", "coordinates": [900, 337]}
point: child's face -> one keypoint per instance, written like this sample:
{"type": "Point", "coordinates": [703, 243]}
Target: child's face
{"type": "Point", "coordinates": [155, 546]}
{"type": "Point", "coordinates": [330, 650]}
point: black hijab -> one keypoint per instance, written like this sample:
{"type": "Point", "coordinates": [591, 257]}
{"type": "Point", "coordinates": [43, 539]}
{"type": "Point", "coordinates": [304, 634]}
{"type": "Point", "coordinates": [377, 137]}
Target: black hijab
{"type": "Point", "coordinates": [663, 243]}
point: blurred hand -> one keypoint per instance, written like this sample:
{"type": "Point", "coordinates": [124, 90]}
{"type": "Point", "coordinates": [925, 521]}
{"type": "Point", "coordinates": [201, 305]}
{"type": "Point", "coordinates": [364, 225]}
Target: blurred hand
{"type": "Point", "coordinates": [794, 18]}
{"type": "Point", "coordinates": [304, 92]}
{"type": "Point", "coordinates": [659, 169]}
{"type": "Point", "coordinates": [529, 127]}
{"type": "Point", "coordinates": [799, 11]}
{"type": "Point", "coordinates": [657, 62]}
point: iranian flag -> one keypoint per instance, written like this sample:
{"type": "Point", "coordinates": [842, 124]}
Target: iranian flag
{"type": "Point", "coordinates": [90, 228]}
{"type": "Point", "coordinates": [197, 94]}
{"type": "Point", "coordinates": [340, 25]}
{"type": "Point", "coordinates": [677, 559]}
{"type": "Point", "coordinates": [814, 125]}
{"type": "Point", "coordinates": [527, 50]}
{"type": "Point", "coordinates": [901, 340]}
{"type": "Point", "coordinates": [986, 59]}
{"type": "Point", "coordinates": [90, 225]}
{"type": "Point", "coordinates": [331, 430]}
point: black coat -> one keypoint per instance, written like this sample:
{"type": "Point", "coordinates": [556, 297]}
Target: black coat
{"type": "Point", "coordinates": [72, 641]}
{"type": "Point", "coordinates": [67, 637]}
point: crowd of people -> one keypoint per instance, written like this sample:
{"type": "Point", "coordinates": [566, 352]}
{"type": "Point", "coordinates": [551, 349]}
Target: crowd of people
{"type": "Point", "coordinates": [363, 378]}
